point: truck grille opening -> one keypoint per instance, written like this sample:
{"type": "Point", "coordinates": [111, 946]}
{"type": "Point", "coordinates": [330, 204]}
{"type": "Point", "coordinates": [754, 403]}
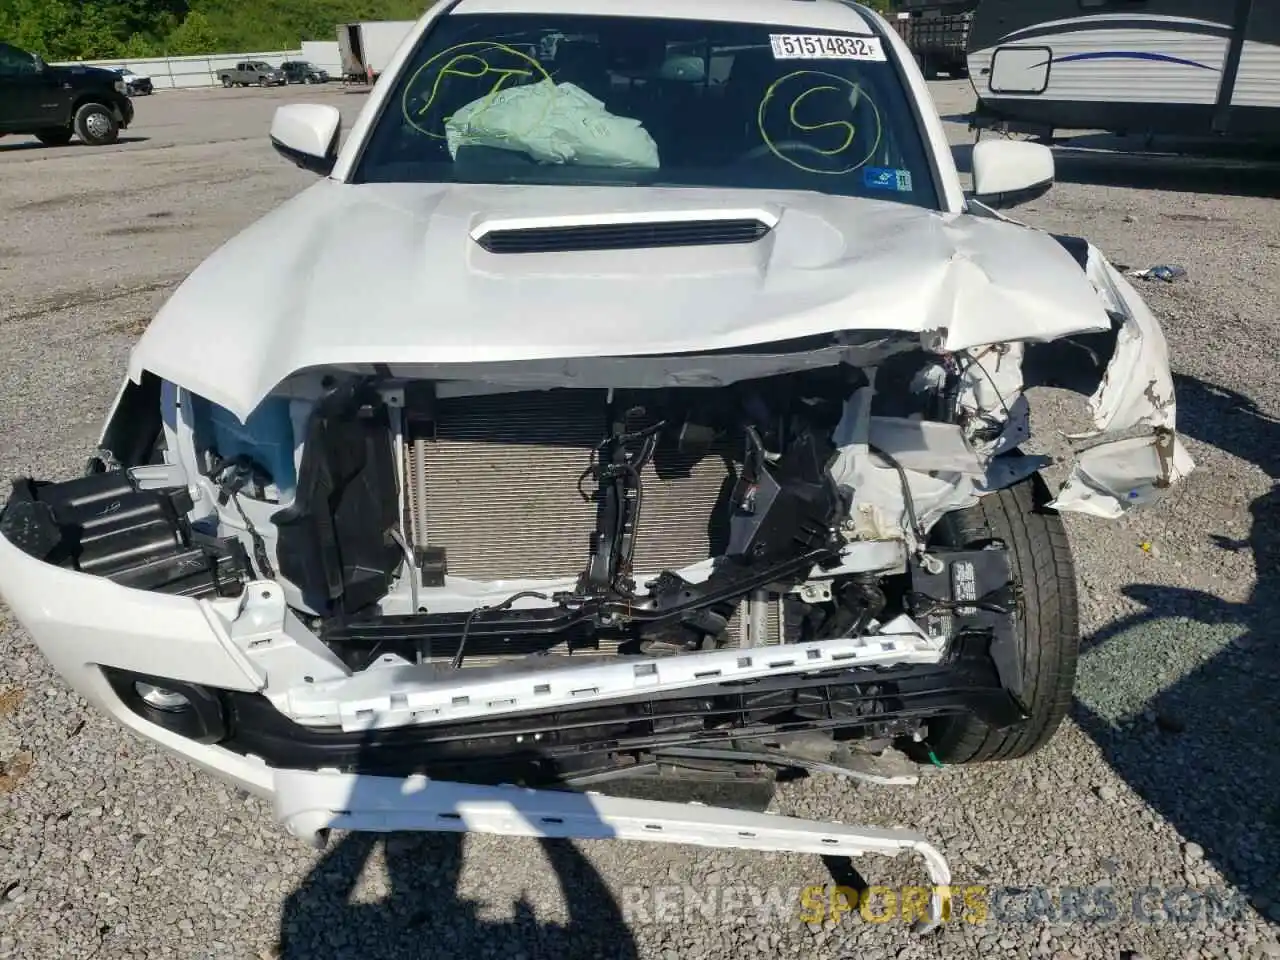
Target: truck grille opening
{"type": "Point", "coordinates": [623, 236]}
{"type": "Point", "coordinates": [496, 484]}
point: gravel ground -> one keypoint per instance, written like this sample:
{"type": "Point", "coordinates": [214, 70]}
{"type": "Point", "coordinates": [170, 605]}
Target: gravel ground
{"type": "Point", "coordinates": [1164, 778]}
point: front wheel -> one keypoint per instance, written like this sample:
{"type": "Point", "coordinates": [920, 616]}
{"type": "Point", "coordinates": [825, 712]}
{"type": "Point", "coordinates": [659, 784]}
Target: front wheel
{"type": "Point", "coordinates": [96, 125]}
{"type": "Point", "coordinates": [1049, 620]}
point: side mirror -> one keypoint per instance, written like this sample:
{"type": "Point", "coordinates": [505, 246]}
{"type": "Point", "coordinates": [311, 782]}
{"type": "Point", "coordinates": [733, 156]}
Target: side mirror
{"type": "Point", "coordinates": [1009, 172]}
{"type": "Point", "coordinates": [306, 134]}
{"type": "Point", "coordinates": [39, 62]}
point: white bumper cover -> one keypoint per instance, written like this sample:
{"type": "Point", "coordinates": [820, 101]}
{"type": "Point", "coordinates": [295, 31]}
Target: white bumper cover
{"type": "Point", "coordinates": [311, 803]}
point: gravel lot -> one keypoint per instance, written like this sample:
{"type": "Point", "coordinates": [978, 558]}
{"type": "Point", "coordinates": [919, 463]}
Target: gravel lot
{"type": "Point", "coordinates": [1166, 776]}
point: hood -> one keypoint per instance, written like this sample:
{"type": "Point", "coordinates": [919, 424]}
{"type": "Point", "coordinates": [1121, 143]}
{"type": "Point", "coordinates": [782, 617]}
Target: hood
{"type": "Point", "coordinates": [381, 273]}
{"type": "Point", "coordinates": [81, 74]}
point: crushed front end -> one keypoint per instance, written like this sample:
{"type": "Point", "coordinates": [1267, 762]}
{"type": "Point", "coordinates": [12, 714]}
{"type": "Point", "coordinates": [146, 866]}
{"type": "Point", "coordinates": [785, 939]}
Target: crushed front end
{"type": "Point", "coordinates": [558, 575]}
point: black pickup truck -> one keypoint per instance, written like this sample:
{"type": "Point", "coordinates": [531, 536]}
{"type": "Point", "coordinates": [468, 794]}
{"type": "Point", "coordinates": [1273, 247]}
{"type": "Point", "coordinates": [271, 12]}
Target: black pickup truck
{"type": "Point", "coordinates": [54, 104]}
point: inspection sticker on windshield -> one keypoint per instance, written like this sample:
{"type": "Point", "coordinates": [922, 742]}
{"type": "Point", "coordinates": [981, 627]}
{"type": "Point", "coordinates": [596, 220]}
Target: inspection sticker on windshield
{"type": "Point", "coordinates": [794, 46]}
{"type": "Point", "coordinates": [886, 178]}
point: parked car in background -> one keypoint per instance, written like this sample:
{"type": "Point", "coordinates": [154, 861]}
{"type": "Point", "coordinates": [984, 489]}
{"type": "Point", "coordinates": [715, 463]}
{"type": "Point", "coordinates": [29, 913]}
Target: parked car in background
{"type": "Point", "coordinates": [301, 71]}
{"type": "Point", "coordinates": [253, 72]}
{"type": "Point", "coordinates": [135, 83]}
{"type": "Point", "coordinates": [55, 104]}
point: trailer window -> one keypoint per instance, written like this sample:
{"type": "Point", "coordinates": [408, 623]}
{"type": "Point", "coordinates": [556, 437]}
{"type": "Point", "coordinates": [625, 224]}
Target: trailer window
{"type": "Point", "coordinates": [1020, 69]}
{"type": "Point", "coordinates": [579, 100]}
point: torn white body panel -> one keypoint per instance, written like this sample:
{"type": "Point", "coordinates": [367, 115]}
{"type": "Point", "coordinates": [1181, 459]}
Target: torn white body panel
{"type": "Point", "coordinates": [1112, 478]}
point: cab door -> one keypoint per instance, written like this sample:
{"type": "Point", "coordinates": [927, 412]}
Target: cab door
{"type": "Point", "coordinates": [25, 92]}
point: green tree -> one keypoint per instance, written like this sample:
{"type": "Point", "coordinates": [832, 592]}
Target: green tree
{"type": "Point", "coordinates": [139, 47]}
{"type": "Point", "coordinates": [194, 35]}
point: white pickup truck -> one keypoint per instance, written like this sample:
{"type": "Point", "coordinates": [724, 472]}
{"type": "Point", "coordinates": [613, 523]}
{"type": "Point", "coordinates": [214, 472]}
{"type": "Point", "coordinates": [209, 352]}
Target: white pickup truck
{"type": "Point", "coordinates": [667, 420]}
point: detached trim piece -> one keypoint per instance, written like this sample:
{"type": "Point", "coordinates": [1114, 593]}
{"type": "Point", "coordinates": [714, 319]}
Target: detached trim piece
{"type": "Point", "coordinates": [310, 804]}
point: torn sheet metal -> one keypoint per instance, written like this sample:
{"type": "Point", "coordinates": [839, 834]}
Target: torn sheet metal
{"type": "Point", "coordinates": [939, 469]}
{"type": "Point", "coordinates": [1112, 478]}
{"type": "Point", "coordinates": [923, 445]}
{"type": "Point", "coordinates": [991, 397]}
{"type": "Point", "coordinates": [1137, 387]}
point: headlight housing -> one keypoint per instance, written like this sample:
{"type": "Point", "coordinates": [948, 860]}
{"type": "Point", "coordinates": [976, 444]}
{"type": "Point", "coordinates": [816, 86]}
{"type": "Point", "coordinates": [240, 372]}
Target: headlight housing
{"type": "Point", "coordinates": [120, 86]}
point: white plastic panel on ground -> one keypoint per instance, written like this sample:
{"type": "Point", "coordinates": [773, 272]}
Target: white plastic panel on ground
{"type": "Point", "coordinates": [308, 803]}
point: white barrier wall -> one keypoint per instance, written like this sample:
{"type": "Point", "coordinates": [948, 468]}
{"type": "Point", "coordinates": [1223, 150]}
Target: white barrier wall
{"type": "Point", "coordinates": [175, 73]}
{"type": "Point", "coordinates": [324, 54]}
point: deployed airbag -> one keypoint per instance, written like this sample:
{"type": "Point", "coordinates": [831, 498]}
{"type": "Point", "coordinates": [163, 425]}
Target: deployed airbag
{"type": "Point", "coordinates": [552, 123]}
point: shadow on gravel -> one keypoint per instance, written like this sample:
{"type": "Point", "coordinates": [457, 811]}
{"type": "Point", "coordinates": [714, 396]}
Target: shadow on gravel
{"type": "Point", "coordinates": [1108, 161]}
{"type": "Point", "coordinates": [73, 145]}
{"type": "Point", "coordinates": [1203, 751]}
{"type": "Point", "coordinates": [423, 915]}
{"type": "Point", "coordinates": [422, 912]}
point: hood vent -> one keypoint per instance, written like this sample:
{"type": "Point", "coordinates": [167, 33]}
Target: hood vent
{"type": "Point", "coordinates": [627, 235]}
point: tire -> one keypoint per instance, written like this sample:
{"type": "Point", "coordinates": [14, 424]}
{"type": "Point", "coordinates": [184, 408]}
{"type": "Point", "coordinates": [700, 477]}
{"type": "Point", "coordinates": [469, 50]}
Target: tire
{"type": "Point", "coordinates": [55, 138]}
{"type": "Point", "coordinates": [96, 125]}
{"type": "Point", "coordinates": [226, 83]}
{"type": "Point", "coordinates": [1050, 618]}
{"type": "Point", "coordinates": [262, 82]}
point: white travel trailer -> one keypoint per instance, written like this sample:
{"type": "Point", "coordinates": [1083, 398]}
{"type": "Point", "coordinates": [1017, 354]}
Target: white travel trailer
{"type": "Point", "coordinates": [1179, 67]}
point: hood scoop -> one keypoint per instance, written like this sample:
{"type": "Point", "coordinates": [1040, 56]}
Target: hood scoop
{"type": "Point", "coordinates": [638, 231]}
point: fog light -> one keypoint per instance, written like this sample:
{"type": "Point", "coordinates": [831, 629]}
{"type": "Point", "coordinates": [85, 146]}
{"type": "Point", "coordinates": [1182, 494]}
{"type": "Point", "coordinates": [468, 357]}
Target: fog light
{"type": "Point", "coordinates": [160, 698]}
{"type": "Point", "coordinates": [184, 708]}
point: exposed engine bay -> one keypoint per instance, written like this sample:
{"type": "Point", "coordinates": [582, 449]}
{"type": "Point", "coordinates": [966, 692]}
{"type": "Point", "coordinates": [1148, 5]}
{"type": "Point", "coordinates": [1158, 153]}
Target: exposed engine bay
{"type": "Point", "coordinates": [441, 526]}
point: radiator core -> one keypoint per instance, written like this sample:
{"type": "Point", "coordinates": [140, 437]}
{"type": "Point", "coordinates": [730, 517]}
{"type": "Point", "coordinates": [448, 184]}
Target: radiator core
{"type": "Point", "coordinates": [495, 482]}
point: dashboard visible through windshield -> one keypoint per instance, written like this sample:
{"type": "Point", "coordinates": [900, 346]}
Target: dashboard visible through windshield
{"type": "Point", "coordinates": [579, 100]}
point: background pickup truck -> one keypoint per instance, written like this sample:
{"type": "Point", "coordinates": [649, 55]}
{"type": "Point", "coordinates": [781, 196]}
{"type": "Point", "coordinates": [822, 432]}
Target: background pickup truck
{"type": "Point", "coordinates": [54, 104]}
{"type": "Point", "coordinates": [251, 72]}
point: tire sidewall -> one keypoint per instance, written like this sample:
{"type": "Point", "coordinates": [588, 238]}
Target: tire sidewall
{"type": "Point", "coordinates": [1048, 620]}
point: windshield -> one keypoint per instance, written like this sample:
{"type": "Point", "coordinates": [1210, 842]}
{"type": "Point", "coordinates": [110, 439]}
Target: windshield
{"type": "Point", "coordinates": [574, 100]}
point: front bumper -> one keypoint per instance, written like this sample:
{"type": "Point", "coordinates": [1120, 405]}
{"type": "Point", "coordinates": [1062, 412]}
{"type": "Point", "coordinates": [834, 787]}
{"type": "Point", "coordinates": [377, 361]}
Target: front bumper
{"type": "Point", "coordinates": [84, 623]}
{"type": "Point", "coordinates": [285, 698]}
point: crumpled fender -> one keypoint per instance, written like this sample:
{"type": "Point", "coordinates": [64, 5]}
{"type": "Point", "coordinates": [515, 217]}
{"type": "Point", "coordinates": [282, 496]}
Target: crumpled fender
{"type": "Point", "coordinates": [1136, 394]}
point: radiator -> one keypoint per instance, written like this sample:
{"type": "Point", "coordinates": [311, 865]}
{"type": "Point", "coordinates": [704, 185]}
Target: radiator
{"type": "Point", "coordinates": [495, 483]}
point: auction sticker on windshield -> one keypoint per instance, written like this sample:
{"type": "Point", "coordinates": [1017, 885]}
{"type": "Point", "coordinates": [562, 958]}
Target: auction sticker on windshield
{"type": "Point", "coordinates": [793, 46]}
